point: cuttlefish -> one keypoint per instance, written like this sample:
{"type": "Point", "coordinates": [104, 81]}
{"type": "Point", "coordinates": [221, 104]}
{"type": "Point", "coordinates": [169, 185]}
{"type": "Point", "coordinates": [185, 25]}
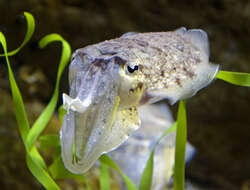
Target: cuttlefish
{"type": "Point", "coordinates": [110, 80]}
{"type": "Point", "coordinates": [132, 156]}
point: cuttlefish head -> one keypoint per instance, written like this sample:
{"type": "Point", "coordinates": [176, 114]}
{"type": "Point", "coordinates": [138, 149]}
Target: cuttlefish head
{"type": "Point", "coordinates": [105, 92]}
{"type": "Point", "coordinates": [101, 110]}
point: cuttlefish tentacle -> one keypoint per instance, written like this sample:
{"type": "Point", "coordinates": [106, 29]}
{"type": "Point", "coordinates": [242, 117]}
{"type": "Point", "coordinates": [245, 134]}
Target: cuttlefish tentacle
{"type": "Point", "coordinates": [109, 80]}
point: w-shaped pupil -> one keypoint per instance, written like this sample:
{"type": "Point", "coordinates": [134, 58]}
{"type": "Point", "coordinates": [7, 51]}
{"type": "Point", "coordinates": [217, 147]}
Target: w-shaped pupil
{"type": "Point", "coordinates": [131, 70]}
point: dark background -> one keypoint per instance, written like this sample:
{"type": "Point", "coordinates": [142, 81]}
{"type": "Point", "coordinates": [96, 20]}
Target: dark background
{"type": "Point", "coordinates": [218, 117]}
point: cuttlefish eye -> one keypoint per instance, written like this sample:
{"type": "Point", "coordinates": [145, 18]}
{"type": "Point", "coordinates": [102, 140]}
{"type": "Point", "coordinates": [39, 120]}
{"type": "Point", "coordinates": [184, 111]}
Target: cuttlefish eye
{"type": "Point", "coordinates": [131, 70]}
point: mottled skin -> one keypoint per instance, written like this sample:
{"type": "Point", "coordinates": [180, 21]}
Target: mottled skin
{"type": "Point", "coordinates": [166, 60]}
{"type": "Point", "coordinates": [109, 80]}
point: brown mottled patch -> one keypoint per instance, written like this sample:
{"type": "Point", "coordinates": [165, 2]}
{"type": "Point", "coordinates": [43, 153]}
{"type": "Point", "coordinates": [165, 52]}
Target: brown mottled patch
{"type": "Point", "coordinates": [109, 53]}
{"type": "Point", "coordinates": [118, 60]}
{"type": "Point", "coordinates": [197, 60]}
{"type": "Point", "coordinates": [162, 73]}
{"type": "Point", "coordinates": [143, 50]}
{"type": "Point", "coordinates": [140, 85]}
{"type": "Point", "coordinates": [178, 81]}
{"type": "Point", "coordinates": [141, 43]}
{"type": "Point", "coordinates": [131, 90]}
{"type": "Point", "coordinates": [147, 75]}
{"type": "Point", "coordinates": [157, 49]}
{"type": "Point", "coordinates": [189, 73]}
{"type": "Point", "coordinates": [78, 53]}
{"type": "Point", "coordinates": [101, 63]}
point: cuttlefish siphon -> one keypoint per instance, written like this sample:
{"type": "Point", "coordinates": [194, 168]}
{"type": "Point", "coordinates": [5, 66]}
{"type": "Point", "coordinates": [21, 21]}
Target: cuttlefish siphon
{"type": "Point", "coordinates": [109, 80]}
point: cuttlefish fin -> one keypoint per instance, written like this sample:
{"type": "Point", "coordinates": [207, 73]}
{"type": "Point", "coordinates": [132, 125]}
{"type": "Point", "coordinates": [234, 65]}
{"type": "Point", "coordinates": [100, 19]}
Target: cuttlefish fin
{"type": "Point", "coordinates": [128, 34]}
{"type": "Point", "coordinates": [205, 75]}
{"type": "Point", "coordinates": [204, 72]}
{"type": "Point", "coordinates": [197, 37]}
{"type": "Point", "coordinates": [200, 39]}
{"type": "Point", "coordinates": [181, 30]}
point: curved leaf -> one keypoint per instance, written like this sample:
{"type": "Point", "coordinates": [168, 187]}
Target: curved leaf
{"type": "Point", "coordinates": [45, 116]}
{"type": "Point", "coordinates": [34, 160]}
{"type": "Point", "coordinates": [108, 161]}
{"type": "Point", "coordinates": [30, 30]}
{"type": "Point", "coordinates": [147, 175]}
{"type": "Point", "coordinates": [19, 109]}
{"type": "Point", "coordinates": [236, 78]}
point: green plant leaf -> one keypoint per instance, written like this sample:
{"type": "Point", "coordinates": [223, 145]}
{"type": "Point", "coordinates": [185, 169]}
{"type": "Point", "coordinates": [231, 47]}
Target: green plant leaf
{"type": "Point", "coordinates": [180, 147]}
{"type": "Point", "coordinates": [40, 173]}
{"type": "Point", "coordinates": [108, 161]}
{"type": "Point", "coordinates": [236, 78]}
{"type": "Point", "coordinates": [104, 176]}
{"type": "Point", "coordinates": [34, 160]}
{"type": "Point", "coordinates": [147, 176]}
{"type": "Point", "coordinates": [57, 169]}
{"type": "Point", "coordinates": [30, 30]}
{"type": "Point", "coordinates": [45, 116]}
{"type": "Point", "coordinates": [61, 113]}
{"type": "Point", "coordinates": [19, 109]}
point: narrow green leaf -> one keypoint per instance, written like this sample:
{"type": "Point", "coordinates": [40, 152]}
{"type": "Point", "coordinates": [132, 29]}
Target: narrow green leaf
{"type": "Point", "coordinates": [37, 158]}
{"type": "Point", "coordinates": [236, 78]}
{"type": "Point", "coordinates": [41, 122]}
{"type": "Point", "coordinates": [180, 147]}
{"type": "Point", "coordinates": [30, 30]}
{"type": "Point", "coordinates": [108, 161]}
{"type": "Point", "coordinates": [20, 112]}
{"type": "Point", "coordinates": [45, 116]}
{"type": "Point", "coordinates": [171, 129]}
{"type": "Point", "coordinates": [61, 113]}
{"type": "Point", "coordinates": [41, 174]}
{"type": "Point", "coordinates": [147, 176]}
{"type": "Point", "coordinates": [104, 176]}
{"type": "Point", "coordinates": [34, 160]}
{"type": "Point", "coordinates": [86, 183]}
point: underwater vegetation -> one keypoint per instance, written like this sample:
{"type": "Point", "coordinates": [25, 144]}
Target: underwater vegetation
{"type": "Point", "coordinates": [47, 175]}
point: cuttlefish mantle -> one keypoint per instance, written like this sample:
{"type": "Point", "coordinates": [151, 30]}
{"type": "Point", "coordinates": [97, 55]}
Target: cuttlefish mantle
{"type": "Point", "coordinates": [110, 80]}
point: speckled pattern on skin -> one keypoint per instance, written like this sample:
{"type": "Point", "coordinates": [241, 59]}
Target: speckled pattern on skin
{"type": "Point", "coordinates": [111, 79]}
{"type": "Point", "coordinates": [164, 58]}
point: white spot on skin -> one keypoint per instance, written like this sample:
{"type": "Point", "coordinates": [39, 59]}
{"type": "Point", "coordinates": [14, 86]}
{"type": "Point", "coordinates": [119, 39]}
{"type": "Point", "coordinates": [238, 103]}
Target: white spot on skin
{"type": "Point", "coordinates": [75, 104]}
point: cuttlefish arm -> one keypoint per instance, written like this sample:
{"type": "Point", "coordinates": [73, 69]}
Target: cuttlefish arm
{"type": "Point", "coordinates": [93, 124]}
